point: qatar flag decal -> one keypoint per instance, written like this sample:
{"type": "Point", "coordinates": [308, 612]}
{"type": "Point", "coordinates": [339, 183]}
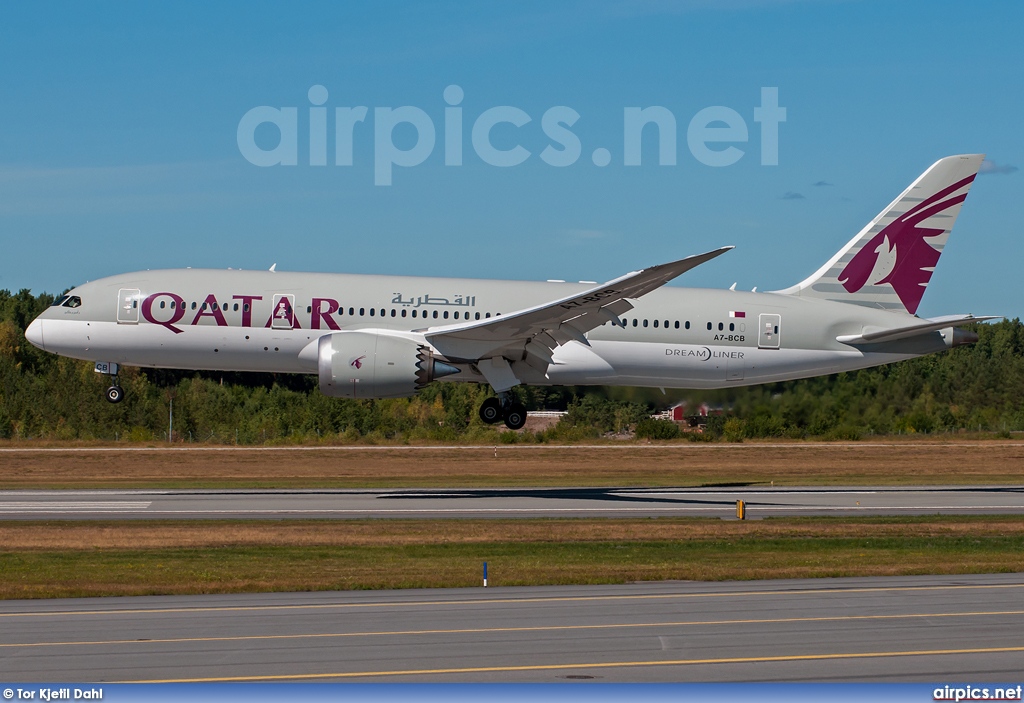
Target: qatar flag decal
{"type": "Point", "coordinates": [737, 313]}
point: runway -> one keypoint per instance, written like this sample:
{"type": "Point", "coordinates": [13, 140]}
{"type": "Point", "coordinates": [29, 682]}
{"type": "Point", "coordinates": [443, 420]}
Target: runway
{"type": "Point", "coordinates": [927, 628]}
{"type": "Point", "coordinates": [507, 503]}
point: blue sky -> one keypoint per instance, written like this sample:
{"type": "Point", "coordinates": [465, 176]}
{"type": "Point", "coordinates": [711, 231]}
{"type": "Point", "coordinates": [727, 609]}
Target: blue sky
{"type": "Point", "coordinates": [119, 150]}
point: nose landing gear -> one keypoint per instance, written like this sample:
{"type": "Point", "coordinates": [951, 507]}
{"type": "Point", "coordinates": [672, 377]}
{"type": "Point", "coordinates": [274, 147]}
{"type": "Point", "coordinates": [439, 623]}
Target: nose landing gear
{"type": "Point", "coordinates": [115, 394]}
{"type": "Point", "coordinates": [504, 408]}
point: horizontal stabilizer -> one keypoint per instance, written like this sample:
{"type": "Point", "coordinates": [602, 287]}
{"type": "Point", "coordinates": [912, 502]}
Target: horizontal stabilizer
{"type": "Point", "coordinates": [873, 336]}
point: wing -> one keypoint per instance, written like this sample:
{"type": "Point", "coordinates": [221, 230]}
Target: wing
{"type": "Point", "coordinates": [532, 334]}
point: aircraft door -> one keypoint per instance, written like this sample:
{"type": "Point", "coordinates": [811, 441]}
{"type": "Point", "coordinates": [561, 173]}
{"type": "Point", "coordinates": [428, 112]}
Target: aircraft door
{"type": "Point", "coordinates": [284, 311]}
{"type": "Point", "coordinates": [128, 306]}
{"type": "Point", "coordinates": [769, 335]}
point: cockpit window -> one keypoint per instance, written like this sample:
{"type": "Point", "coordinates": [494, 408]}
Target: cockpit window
{"type": "Point", "coordinates": [72, 301]}
{"type": "Point", "coordinates": [59, 301]}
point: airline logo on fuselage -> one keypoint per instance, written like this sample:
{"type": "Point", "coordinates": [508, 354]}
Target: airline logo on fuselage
{"type": "Point", "coordinates": [169, 310]}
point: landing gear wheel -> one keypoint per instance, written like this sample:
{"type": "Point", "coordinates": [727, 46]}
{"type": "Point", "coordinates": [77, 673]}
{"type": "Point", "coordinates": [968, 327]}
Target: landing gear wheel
{"type": "Point", "coordinates": [515, 416]}
{"type": "Point", "coordinates": [490, 411]}
{"type": "Point", "coordinates": [115, 394]}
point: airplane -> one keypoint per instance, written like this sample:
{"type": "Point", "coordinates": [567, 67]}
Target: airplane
{"type": "Point", "coordinates": [368, 336]}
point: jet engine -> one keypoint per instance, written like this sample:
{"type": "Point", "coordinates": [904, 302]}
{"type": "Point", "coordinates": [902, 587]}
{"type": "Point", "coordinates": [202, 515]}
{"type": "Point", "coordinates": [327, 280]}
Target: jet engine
{"type": "Point", "coordinates": [374, 365]}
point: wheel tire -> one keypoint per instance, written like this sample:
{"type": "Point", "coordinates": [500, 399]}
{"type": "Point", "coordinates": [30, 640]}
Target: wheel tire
{"type": "Point", "coordinates": [115, 394]}
{"type": "Point", "coordinates": [515, 416]}
{"type": "Point", "coordinates": [490, 411]}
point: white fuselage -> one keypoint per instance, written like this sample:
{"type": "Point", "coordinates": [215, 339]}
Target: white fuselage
{"type": "Point", "coordinates": [673, 338]}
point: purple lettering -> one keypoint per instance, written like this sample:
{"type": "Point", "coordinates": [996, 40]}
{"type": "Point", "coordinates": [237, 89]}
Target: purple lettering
{"type": "Point", "coordinates": [177, 311]}
{"type": "Point", "coordinates": [247, 307]}
{"type": "Point", "coordinates": [325, 315]}
{"type": "Point", "coordinates": [212, 310]}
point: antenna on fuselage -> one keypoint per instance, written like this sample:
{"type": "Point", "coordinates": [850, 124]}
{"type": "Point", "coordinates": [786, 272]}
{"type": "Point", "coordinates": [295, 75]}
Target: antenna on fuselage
{"type": "Point", "coordinates": [273, 268]}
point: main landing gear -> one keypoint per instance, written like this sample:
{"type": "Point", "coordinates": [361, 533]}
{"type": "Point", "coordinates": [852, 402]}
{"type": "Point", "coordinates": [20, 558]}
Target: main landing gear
{"type": "Point", "coordinates": [504, 408]}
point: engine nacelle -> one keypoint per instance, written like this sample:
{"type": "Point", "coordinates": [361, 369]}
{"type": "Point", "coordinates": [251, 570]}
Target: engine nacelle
{"type": "Point", "coordinates": [374, 365]}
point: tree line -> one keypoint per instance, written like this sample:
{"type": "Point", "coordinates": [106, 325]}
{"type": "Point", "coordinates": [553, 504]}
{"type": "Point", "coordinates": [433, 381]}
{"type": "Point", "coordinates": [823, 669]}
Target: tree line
{"type": "Point", "coordinates": [43, 396]}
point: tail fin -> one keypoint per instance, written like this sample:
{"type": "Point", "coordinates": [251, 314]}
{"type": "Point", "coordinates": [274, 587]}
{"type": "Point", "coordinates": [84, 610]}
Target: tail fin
{"type": "Point", "coordinates": [889, 263]}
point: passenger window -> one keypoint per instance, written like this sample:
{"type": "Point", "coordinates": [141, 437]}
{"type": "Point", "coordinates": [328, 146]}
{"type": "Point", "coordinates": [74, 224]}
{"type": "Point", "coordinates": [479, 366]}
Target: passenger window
{"type": "Point", "coordinates": [414, 313]}
{"type": "Point", "coordinates": [372, 311]}
{"type": "Point", "coordinates": [720, 326]}
{"type": "Point", "coordinates": [362, 311]}
{"type": "Point", "coordinates": [645, 323]}
{"type": "Point", "coordinates": [245, 307]}
{"type": "Point", "coordinates": [635, 322]}
{"type": "Point", "coordinates": [687, 324]}
{"type": "Point", "coordinates": [655, 323]}
{"type": "Point", "coordinates": [309, 309]}
{"type": "Point", "coordinates": [404, 312]}
{"type": "Point", "coordinates": [446, 314]}
{"type": "Point", "coordinates": [487, 315]}
{"type": "Point", "coordinates": [163, 304]}
{"type": "Point", "coordinates": [352, 311]}
{"type": "Point", "coordinates": [393, 313]}
{"type": "Point", "coordinates": [193, 305]}
{"type": "Point", "coordinates": [677, 324]}
{"type": "Point", "coordinates": [732, 327]}
{"type": "Point", "coordinates": [478, 316]}
{"type": "Point", "coordinates": [235, 307]}
{"type": "Point", "coordinates": [435, 314]}
{"type": "Point", "coordinates": [666, 324]}
{"type": "Point", "coordinates": [456, 314]}
{"type": "Point", "coordinates": [709, 325]}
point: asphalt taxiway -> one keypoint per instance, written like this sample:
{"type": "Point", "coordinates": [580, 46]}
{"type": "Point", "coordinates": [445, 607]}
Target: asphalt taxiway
{"type": "Point", "coordinates": [508, 502]}
{"type": "Point", "coordinates": [924, 628]}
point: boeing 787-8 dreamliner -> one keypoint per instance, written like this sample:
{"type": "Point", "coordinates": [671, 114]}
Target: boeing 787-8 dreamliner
{"type": "Point", "coordinates": [388, 336]}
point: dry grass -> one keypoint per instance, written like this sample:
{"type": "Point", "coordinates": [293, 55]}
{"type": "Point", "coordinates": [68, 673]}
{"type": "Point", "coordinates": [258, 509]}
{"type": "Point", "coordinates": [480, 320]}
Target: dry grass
{"type": "Point", "coordinates": [74, 559]}
{"type": "Point", "coordinates": [682, 464]}
{"type": "Point", "coordinates": [205, 534]}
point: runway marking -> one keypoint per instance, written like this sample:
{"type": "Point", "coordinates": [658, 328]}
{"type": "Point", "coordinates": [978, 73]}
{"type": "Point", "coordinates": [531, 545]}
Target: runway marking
{"type": "Point", "coordinates": [497, 601]}
{"type": "Point", "coordinates": [26, 506]}
{"type": "Point", "coordinates": [596, 665]}
{"type": "Point", "coordinates": [539, 628]}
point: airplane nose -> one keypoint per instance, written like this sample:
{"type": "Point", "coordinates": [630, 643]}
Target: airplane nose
{"type": "Point", "coordinates": [34, 334]}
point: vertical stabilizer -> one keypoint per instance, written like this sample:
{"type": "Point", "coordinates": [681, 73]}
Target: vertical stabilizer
{"type": "Point", "coordinates": [890, 262]}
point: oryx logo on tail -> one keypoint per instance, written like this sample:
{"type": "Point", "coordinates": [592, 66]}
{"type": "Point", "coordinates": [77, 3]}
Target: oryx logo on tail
{"type": "Point", "coordinates": [888, 264]}
{"type": "Point", "coordinates": [900, 254]}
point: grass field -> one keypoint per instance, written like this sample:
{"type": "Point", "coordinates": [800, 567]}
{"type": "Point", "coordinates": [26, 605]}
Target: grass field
{"type": "Point", "coordinates": [675, 464]}
{"type": "Point", "coordinates": [58, 559]}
